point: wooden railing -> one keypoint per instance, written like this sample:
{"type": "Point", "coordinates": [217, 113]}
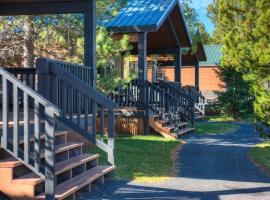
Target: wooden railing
{"type": "Point", "coordinates": [80, 103]}
{"type": "Point", "coordinates": [43, 110]}
{"type": "Point", "coordinates": [170, 103]}
{"type": "Point", "coordinates": [60, 99]}
{"type": "Point", "coordinates": [186, 102]}
{"type": "Point", "coordinates": [25, 75]}
{"type": "Point", "coordinates": [200, 106]}
{"type": "Point", "coordinates": [81, 72]}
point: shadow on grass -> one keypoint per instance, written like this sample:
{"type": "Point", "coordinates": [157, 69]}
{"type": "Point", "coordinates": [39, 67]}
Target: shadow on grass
{"type": "Point", "coordinates": [142, 158]}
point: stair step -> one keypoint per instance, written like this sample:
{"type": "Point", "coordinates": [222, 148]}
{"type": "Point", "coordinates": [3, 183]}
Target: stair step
{"type": "Point", "coordinates": [163, 122]}
{"type": "Point", "coordinates": [33, 179]}
{"type": "Point", "coordinates": [13, 162]}
{"type": "Point", "coordinates": [185, 131]}
{"type": "Point", "coordinates": [170, 128]}
{"type": "Point", "coordinates": [60, 148]}
{"type": "Point", "coordinates": [180, 124]}
{"type": "Point", "coordinates": [75, 184]}
{"type": "Point", "coordinates": [42, 136]}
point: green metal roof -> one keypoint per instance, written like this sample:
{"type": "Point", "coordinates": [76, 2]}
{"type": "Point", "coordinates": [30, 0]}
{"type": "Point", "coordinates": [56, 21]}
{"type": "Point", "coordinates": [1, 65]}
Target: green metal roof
{"type": "Point", "coordinates": [213, 54]}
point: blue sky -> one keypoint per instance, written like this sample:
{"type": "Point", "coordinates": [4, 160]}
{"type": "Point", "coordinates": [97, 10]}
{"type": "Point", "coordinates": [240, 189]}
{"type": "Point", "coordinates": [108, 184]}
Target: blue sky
{"type": "Point", "coordinates": [201, 8]}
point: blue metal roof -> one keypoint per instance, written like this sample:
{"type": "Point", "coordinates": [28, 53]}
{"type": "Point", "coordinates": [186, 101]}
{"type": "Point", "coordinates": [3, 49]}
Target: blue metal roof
{"type": "Point", "coordinates": [141, 15]}
{"type": "Point", "coordinates": [213, 54]}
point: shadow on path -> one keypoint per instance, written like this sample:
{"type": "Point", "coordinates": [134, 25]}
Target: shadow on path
{"type": "Point", "coordinates": [212, 167]}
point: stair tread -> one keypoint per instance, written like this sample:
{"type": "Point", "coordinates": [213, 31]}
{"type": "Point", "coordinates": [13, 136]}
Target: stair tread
{"type": "Point", "coordinates": [42, 136]}
{"type": "Point", "coordinates": [60, 148]}
{"type": "Point", "coordinates": [33, 179]}
{"type": "Point", "coordinates": [185, 130]}
{"type": "Point", "coordinates": [162, 121]}
{"type": "Point", "coordinates": [182, 123]}
{"type": "Point", "coordinates": [73, 185]}
{"type": "Point", "coordinates": [13, 162]}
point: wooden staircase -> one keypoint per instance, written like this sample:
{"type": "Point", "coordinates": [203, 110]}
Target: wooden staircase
{"type": "Point", "coordinates": [168, 128]}
{"type": "Point", "coordinates": [47, 129]}
{"type": "Point", "coordinates": [75, 171]}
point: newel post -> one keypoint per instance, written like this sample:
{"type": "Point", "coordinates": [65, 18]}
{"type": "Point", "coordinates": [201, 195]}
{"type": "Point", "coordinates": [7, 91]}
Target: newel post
{"type": "Point", "coordinates": [111, 135]}
{"type": "Point", "coordinates": [43, 72]}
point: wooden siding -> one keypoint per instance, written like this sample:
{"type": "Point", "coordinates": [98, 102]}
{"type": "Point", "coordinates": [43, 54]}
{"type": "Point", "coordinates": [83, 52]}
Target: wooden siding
{"type": "Point", "coordinates": [125, 125]}
{"type": "Point", "coordinates": [209, 81]}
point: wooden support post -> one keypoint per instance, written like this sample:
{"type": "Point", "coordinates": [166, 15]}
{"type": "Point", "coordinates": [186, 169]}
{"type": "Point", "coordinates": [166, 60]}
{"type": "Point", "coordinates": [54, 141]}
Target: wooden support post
{"type": "Point", "coordinates": [142, 76]}
{"type": "Point", "coordinates": [90, 40]}
{"type": "Point", "coordinates": [44, 83]}
{"type": "Point", "coordinates": [178, 68]}
{"type": "Point", "coordinates": [142, 56]}
{"type": "Point", "coordinates": [197, 75]}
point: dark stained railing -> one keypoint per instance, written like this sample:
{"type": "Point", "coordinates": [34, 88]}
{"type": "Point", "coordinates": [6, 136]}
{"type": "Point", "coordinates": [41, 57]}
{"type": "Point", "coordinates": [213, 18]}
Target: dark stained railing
{"type": "Point", "coordinates": [25, 75]}
{"type": "Point", "coordinates": [19, 93]}
{"type": "Point", "coordinates": [79, 102]}
{"type": "Point", "coordinates": [54, 97]}
{"type": "Point", "coordinates": [169, 102]}
{"type": "Point", "coordinates": [186, 102]}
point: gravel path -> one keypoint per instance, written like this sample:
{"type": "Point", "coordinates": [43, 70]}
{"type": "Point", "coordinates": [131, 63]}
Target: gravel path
{"type": "Point", "coordinates": [212, 167]}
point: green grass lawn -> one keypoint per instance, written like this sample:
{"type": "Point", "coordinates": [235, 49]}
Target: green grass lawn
{"type": "Point", "coordinates": [215, 128]}
{"type": "Point", "coordinates": [142, 158]}
{"type": "Point", "coordinates": [261, 154]}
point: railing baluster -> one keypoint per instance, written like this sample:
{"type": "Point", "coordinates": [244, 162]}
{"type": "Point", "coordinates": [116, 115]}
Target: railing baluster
{"type": "Point", "coordinates": [37, 135]}
{"type": "Point", "coordinates": [78, 108]}
{"type": "Point", "coordinates": [26, 128]}
{"type": "Point", "coordinates": [111, 134]}
{"type": "Point", "coordinates": [70, 102]}
{"type": "Point", "coordinates": [5, 112]}
{"type": "Point", "coordinates": [94, 113]}
{"type": "Point", "coordinates": [49, 155]}
{"type": "Point", "coordinates": [101, 126]}
{"type": "Point", "coordinates": [86, 109]}
{"type": "Point", "coordinates": [15, 121]}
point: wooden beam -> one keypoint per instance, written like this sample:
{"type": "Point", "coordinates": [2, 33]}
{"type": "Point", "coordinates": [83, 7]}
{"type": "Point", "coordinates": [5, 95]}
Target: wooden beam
{"type": "Point", "coordinates": [157, 51]}
{"type": "Point", "coordinates": [90, 41]}
{"type": "Point", "coordinates": [42, 8]}
{"type": "Point", "coordinates": [172, 30]}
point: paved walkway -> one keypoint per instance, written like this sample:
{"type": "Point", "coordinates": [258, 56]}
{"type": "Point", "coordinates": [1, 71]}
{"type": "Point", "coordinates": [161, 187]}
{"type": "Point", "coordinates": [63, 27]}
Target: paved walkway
{"type": "Point", "coordinates": [213, 167]}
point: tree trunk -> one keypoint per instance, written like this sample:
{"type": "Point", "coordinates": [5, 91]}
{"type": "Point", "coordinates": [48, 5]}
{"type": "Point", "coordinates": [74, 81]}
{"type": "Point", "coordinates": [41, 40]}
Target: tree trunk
{"type": "Point", "coordinates": [28, 47]}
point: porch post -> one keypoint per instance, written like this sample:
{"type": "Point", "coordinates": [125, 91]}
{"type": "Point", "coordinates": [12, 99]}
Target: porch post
{"type": "Point", "coordinates": [197, 75]}
{"type": "Point", "coordinates": [142, 75]}
{"type": "Point", "coordinates": [142, 56]}
{"type": "Point", "coordinates": [178, 68]}
{"type": "Point", "coordinates": [90, 40]}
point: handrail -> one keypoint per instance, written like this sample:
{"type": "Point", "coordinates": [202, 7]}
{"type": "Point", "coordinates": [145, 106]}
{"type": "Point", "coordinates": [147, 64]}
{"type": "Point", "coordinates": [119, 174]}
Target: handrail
{"type": "Point", "coordinates": [83, 87]}
{"type": "Point", "coordinates": [186, 102]}
{"type": "Point", "coordinates": [29, 91]}
{"type": "Point", "coordinates": [79, 102]}
{"type": "Point", "coordinates": [81, 72]}
{"type": "Point", "coordinates": [43, 110]}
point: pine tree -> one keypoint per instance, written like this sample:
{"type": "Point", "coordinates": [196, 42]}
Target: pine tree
{"type": "Point", "coordinates": [243, 26]}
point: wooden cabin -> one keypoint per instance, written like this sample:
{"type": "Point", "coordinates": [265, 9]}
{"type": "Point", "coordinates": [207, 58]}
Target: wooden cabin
{"type": "Point", "coordinates": [209, 81]}
{"type": "Point", "coordinates": [157, 28]}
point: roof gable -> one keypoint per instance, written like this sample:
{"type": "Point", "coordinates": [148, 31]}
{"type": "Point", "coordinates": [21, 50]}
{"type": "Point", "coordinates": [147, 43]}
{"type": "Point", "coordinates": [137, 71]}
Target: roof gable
{"type": "Point", "coordinates": [141, 15]}
{"type": "Point", "coordinates": [213, 54]}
